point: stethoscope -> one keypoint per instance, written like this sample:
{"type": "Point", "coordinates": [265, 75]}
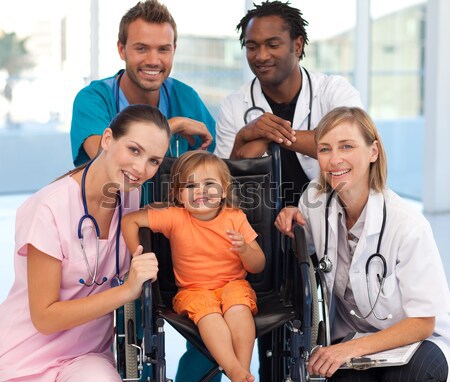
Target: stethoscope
{"type": "Point", "coordinates": [260, 111]}
{"type": "Point", "coordinates": [93, 272]}
{"type": "Point", "coordinates": [117, 100]}
{"type": "Point", "coordinates": [325, 264]}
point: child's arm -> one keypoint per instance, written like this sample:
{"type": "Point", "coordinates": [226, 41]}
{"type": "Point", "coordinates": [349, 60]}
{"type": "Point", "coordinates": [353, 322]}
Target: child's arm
{"type": "Point", "coordinates": [130, 228]}
{"type": "Point", "coordinates": [251, 254]}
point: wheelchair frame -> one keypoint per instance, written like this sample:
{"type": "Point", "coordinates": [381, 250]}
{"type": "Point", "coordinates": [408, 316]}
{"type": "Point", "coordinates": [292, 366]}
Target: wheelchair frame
{"type": "Point", "coordinates": [294, 333]}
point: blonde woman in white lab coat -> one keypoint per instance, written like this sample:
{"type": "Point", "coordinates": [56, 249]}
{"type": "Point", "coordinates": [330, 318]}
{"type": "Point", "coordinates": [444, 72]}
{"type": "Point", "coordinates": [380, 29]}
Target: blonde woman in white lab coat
{"type": "Point", "coordinates": [411, 302]}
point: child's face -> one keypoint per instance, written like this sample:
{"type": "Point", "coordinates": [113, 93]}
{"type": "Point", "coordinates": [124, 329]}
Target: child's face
{"type": "Point", "coordinates": [202, 193]}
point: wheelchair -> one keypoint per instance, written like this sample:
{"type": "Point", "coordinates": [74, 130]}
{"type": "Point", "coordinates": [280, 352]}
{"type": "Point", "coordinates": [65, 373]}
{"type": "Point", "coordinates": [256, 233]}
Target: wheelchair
{"type": "Point", "coordinates": [292, 307]}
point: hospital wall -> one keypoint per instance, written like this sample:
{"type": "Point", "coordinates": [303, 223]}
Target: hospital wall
{"type": "Point", "coordinates": [32, 157]}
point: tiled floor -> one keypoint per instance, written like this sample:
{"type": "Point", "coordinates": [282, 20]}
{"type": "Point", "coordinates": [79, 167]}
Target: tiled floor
{"type": "Point", "coordinates": [174, 342]}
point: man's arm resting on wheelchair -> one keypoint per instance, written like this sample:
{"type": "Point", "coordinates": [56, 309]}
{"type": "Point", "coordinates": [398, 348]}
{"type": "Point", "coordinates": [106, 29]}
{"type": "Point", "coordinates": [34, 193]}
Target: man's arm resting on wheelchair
{"type": "Point", "coordinates": [252, 149]}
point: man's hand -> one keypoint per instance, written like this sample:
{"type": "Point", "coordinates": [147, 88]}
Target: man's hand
{"type": "Point", "coordinates": [189, 129]}
{"type": "Point", "coordinates": [268, 126]}
{"type": "Point", "coordinates": [254, 138]}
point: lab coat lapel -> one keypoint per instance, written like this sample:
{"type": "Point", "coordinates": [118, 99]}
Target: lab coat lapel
{"type": "Point", "coordinates": [303, 108]}
{"type": "Point", "coordinates": [333, 217]}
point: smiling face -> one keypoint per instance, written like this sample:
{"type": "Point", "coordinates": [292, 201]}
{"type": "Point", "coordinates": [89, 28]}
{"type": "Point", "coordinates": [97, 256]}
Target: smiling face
{"type": "Point", "coordinates": [271, 53]}
{"type": "Point", "coordinates": [202, 191]}
{"type": "Point", "coordinates": [345, 159]}
{"type": "Point", "coordinates": [134, 157]}
{"type": "Point", "coordinates": [148, 54]}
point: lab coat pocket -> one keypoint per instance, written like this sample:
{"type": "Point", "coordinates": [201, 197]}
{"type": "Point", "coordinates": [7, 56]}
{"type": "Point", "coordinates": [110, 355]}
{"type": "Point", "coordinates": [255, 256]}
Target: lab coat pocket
{"type": "Point", "coordinates": [388, 287]}
{"type": "Point", "coordinates": [385, 289]}
{"type": "Point", "coordinates": [389, 302]}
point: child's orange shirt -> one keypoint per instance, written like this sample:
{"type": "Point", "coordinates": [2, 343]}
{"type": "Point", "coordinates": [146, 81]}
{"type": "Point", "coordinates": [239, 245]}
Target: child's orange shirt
{"type": "Point", "coordinates": [201, 253]}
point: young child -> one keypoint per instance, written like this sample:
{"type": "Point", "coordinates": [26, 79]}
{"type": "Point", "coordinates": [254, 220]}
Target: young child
{"type": "Point", "coordinates": [213, 248]}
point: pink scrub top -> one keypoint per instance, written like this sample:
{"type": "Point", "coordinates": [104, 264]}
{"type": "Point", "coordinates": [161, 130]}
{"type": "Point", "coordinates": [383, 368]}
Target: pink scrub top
{"type": "Point", "coordinates": [49, 221]}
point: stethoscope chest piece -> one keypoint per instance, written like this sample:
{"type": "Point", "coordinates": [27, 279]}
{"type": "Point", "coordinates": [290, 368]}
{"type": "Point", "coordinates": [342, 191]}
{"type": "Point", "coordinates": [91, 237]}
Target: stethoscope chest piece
{"type": "Point", "coordinates": [325, 264]}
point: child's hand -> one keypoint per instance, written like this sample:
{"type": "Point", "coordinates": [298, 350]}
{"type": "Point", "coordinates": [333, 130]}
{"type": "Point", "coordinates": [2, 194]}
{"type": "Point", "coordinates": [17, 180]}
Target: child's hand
{"type": "Point", "coordinates": [237, 241]}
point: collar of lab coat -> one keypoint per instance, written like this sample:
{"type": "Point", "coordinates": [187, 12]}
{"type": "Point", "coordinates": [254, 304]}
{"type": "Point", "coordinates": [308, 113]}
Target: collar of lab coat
{"type": "Point", "coordinates": [372, 224]}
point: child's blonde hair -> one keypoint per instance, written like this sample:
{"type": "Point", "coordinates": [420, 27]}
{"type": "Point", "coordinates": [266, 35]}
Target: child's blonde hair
{"type": "Point", "coordinates": [187, 163]}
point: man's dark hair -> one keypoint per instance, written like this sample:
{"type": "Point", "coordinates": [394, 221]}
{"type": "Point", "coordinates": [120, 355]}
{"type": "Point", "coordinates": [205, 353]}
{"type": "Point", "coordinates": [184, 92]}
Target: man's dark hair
{"type": "Point", "coordinates": [292, 17]}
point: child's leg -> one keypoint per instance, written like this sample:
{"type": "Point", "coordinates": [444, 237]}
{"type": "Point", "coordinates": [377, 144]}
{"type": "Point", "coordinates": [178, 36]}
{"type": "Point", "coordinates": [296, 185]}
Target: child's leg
{"type": "Point", "coordinates": [238, 301]}
{"type": "Point", "coordinates": [204, 308]}
{"type": "Point", "coordinates": [242, 327]}
{"type": "Point", "coordinates": [239, 305]}
{"type": "Point", "coordinates": [217, 337]}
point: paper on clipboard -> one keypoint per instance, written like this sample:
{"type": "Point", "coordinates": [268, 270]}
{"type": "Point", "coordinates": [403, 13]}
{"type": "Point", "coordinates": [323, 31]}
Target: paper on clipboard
{"type": "Point", "coordinates": [393, 357]}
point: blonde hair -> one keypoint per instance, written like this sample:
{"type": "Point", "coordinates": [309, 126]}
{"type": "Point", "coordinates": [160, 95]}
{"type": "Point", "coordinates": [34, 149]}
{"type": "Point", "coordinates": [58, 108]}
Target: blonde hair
{"type": "Point", "coordinates": [365, 124]}
{"type": "Point", "coordinates": [187, 163]}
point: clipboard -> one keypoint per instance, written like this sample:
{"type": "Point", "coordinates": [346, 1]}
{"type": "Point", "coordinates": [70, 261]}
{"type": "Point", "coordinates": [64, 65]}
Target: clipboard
{"type": "Point", "coordinates": [393, 357]}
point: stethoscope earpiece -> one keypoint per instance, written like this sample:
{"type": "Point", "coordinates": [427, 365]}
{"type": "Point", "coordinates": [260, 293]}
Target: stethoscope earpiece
{"type": "Point", "coordinates": [388, 317]}
{"type": "Point", "coordinates": [94, 282]}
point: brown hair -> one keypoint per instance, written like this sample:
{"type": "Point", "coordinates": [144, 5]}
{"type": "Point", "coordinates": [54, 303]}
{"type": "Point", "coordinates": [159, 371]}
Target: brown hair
{"type": "Point", "coordinates": [151, 11]}
{"type": "Point", "coordinates": [358, 117]}
{"type": "Point", "coordinates": [186, 164]}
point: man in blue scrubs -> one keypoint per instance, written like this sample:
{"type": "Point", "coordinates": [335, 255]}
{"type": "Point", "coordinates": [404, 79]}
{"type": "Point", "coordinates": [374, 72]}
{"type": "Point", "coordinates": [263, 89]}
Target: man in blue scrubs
{"type": "Point", "coordinates": [147, 43]}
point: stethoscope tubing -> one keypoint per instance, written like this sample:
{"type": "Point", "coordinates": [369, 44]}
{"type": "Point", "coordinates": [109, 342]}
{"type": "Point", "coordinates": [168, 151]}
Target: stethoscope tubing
{"type": "Point", "coordinates": [87, 216]}
{"type": "Point", "coordinates": [254, 107]}
{"type": "Point", "coordinates": [326, 264]}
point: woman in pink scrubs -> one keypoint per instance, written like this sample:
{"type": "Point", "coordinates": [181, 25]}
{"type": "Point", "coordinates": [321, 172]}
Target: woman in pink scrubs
{"type": "Point", "coordinates": [56, 323]}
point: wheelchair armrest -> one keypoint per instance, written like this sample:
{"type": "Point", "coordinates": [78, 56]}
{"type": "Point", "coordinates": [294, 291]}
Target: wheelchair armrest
{"type": "Point", "coordinates": [304, 263]}
{"type": "Point", "coordinates": [288, 264]}
{"type": "Point", "coordinates": [147, 315]}
{"type": "Point", "coordinates": [300, 245]}
{"type": "Point", "coordinates": [145, 238]}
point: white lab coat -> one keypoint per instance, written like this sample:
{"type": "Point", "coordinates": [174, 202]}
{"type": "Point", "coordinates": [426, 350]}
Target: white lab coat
{"type": "Point", "coordinates": [328, 92]}
{"type": "Point", "coordinates": [415, 284]}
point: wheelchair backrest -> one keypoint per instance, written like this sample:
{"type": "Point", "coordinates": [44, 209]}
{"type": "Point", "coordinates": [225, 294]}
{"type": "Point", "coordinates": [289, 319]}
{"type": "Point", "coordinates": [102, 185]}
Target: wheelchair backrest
{"type": "Point", "coordinates": [257, 185]}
